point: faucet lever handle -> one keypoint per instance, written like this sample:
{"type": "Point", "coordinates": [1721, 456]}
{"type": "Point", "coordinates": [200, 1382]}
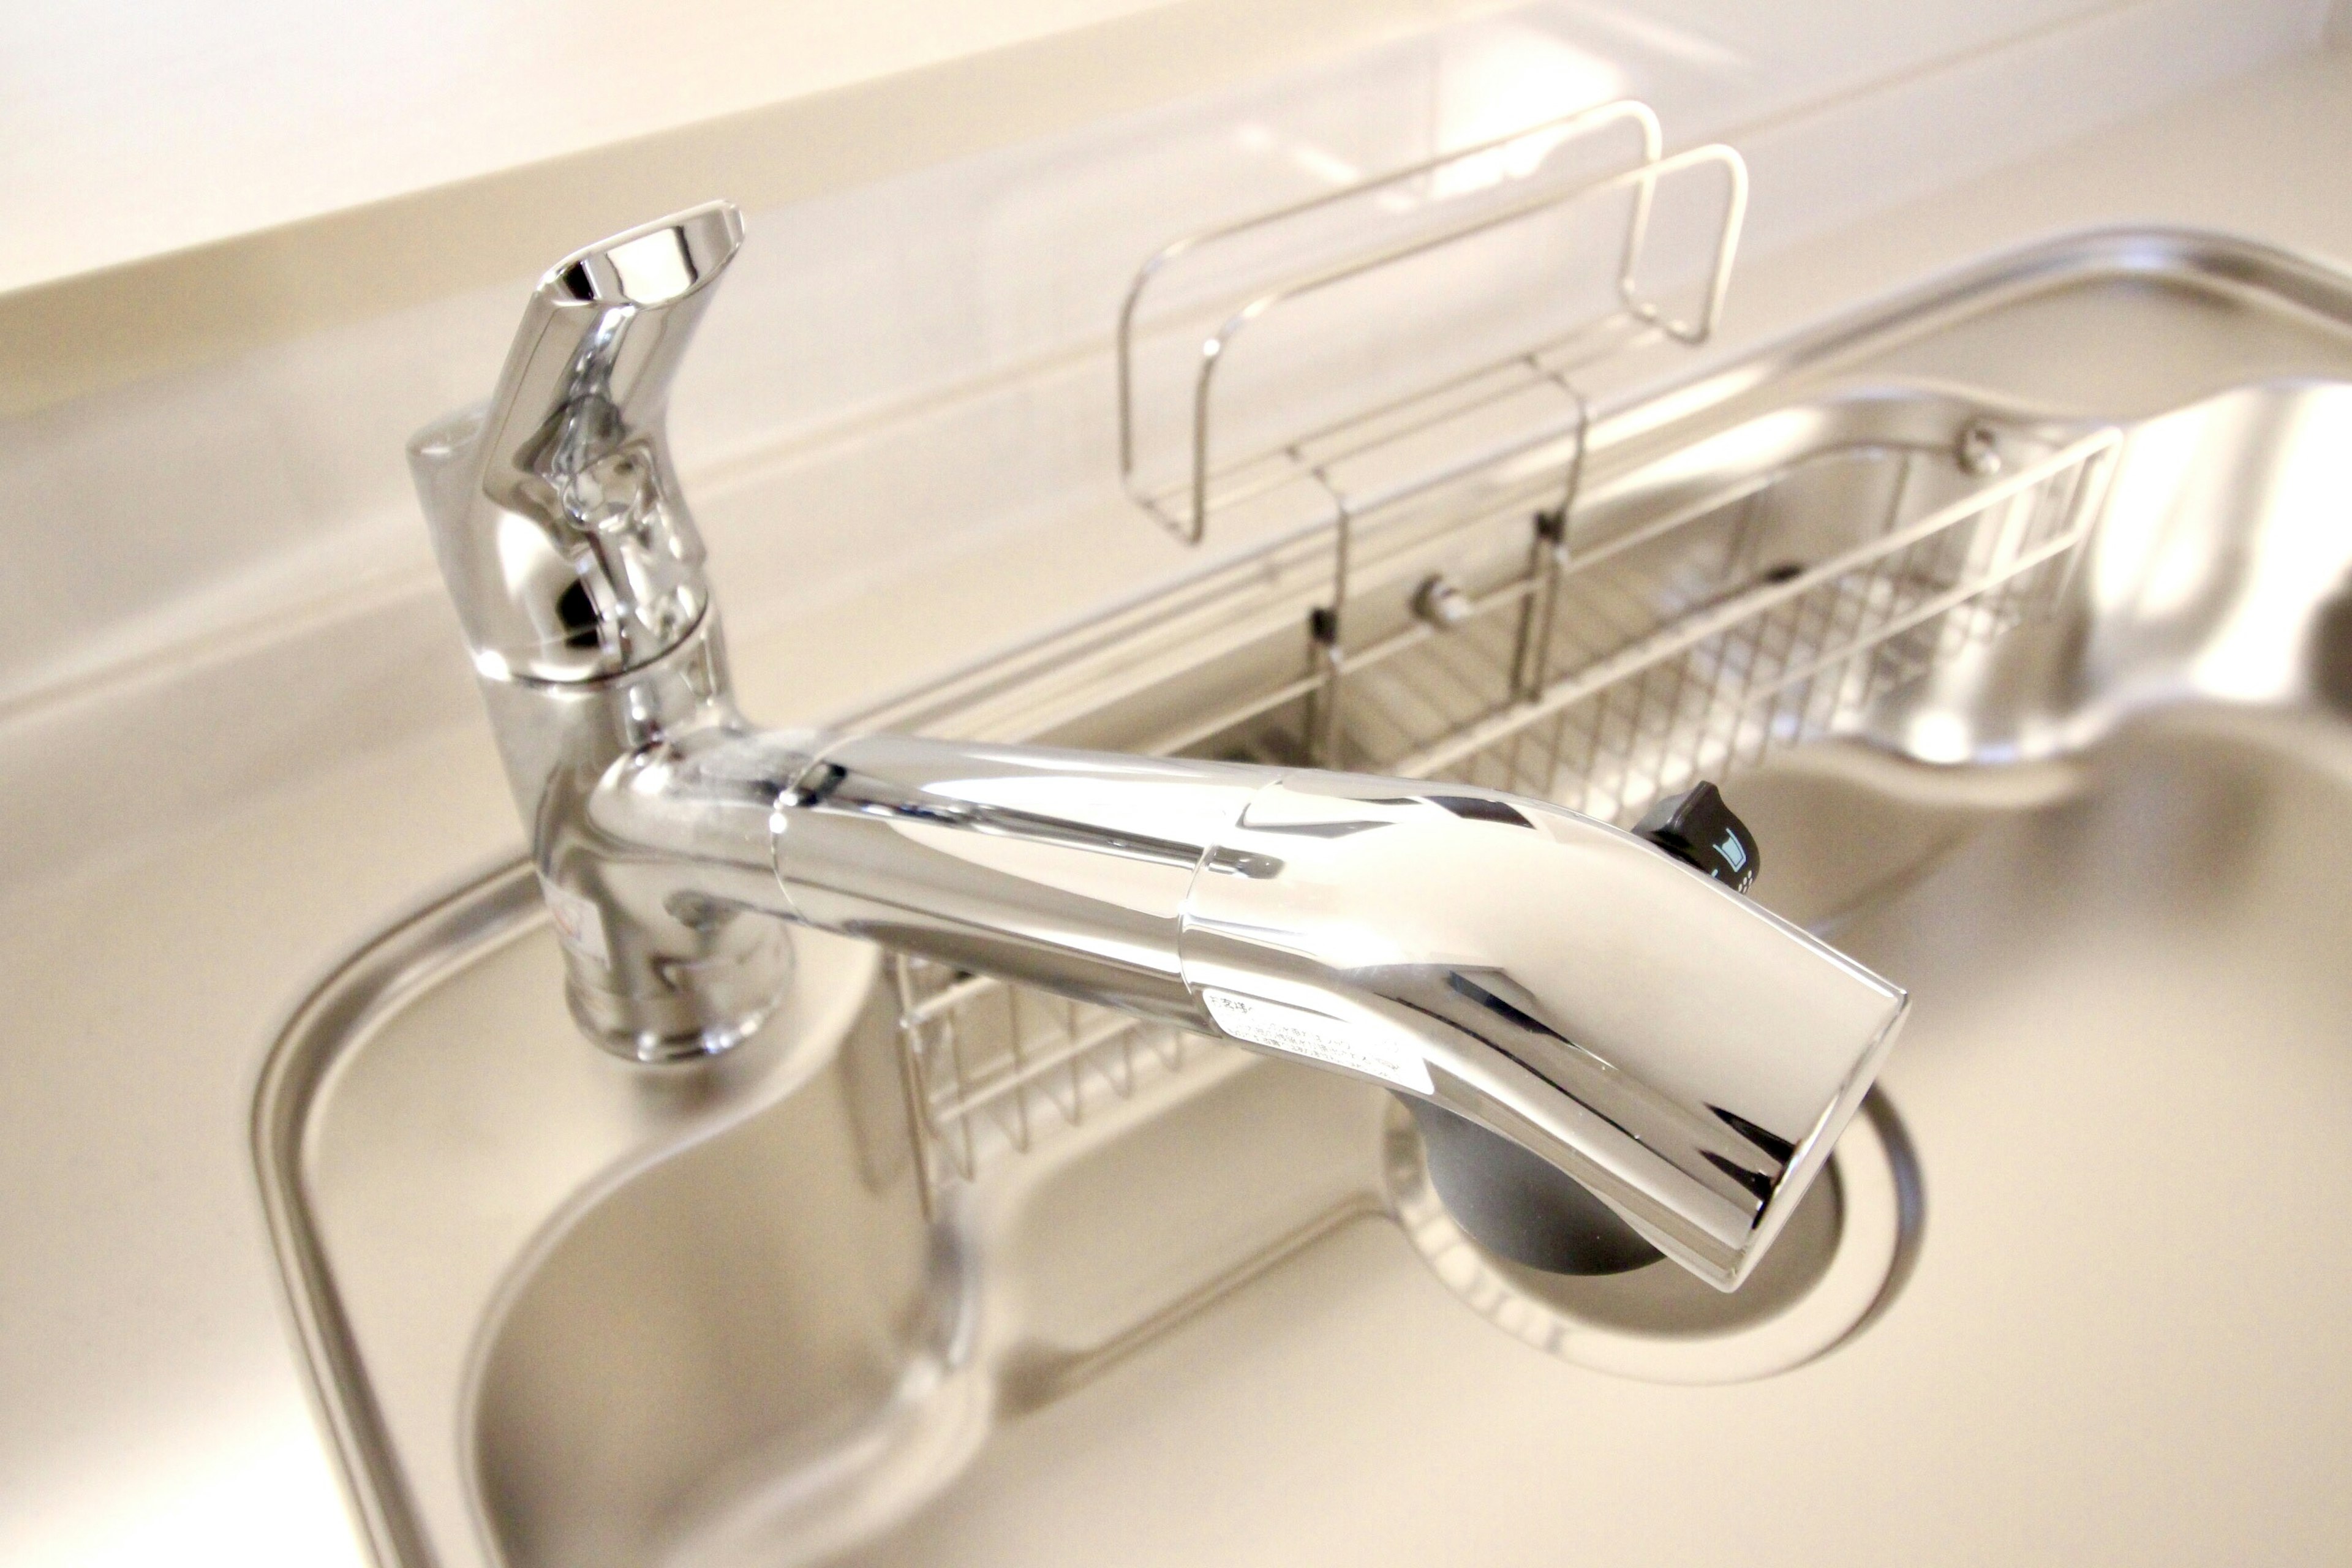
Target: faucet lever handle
{"type": "Point", "coordinates": [556, 513]}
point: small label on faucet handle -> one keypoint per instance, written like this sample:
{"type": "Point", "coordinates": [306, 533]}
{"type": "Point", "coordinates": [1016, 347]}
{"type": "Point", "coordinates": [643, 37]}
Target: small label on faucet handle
{"type": "Point", "coordinates": [1388, 1055]}
{"type": "Point", "coordinates": [579, 924]}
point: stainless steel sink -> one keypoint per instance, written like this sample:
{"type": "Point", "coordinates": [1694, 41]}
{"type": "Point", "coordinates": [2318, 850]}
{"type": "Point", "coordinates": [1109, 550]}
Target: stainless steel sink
{"type": "Point", "coordinates": [2067, 1295]}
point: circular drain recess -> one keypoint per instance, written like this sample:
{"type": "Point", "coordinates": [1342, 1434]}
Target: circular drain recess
{"type": "Point", "coordinates": [1839, 1262]}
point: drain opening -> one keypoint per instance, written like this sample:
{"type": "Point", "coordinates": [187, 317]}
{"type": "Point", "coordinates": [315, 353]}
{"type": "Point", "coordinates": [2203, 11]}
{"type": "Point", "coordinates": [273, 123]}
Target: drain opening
{"type": "Point", "coordinates": [1839, 1263]}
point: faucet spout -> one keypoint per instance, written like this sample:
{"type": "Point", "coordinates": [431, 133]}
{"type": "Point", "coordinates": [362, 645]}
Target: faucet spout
{"type": "Point", "coordinates": [1531, 980]}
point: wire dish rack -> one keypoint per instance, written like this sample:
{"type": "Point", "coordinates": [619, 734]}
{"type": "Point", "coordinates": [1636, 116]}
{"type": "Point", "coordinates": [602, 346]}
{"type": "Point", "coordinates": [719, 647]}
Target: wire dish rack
{"type": "Point", "coordinates": [1636, 637]}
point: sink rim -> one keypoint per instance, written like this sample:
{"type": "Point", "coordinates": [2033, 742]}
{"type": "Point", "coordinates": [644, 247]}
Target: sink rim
{"type": "Point", "coordinates": [443, 933]}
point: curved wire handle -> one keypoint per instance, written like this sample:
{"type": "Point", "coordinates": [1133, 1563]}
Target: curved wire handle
{"type": "Point", "coordinates": [1641, 179]}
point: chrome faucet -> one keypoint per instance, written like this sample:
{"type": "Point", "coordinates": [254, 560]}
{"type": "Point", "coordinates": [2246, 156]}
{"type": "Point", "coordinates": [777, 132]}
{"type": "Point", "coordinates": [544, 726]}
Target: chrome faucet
{"type": "Point", "coordinates": [1570, 1009]}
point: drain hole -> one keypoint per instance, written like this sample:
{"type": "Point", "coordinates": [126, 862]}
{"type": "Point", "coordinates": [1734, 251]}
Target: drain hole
{"type": "Point", "coordinates": [1664, 1300]}
{"type": "Point", "coordinates": [1836, 1268]}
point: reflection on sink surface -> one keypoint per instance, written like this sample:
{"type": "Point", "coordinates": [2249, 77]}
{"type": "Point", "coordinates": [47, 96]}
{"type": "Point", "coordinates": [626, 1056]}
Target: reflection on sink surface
{"type": "Point", "coordinates": [567, 1312]}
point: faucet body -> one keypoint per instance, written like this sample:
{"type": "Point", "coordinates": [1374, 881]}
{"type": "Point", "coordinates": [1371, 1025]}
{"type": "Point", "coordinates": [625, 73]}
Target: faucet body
{"type": "Point", "coordinates": [1570, 991]}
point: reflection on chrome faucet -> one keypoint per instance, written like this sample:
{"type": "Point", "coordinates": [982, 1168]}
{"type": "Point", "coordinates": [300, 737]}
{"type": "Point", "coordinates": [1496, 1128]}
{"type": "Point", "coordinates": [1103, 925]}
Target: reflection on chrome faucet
{"type": "Point", "coordinates": [1555, 997]}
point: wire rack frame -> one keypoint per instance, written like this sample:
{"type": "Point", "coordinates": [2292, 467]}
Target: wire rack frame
{"type": "Point", "coordinates": [1317, 456]}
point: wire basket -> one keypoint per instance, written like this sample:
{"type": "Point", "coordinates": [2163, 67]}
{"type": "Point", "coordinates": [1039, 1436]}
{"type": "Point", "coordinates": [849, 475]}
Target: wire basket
{"type": "Point", "coordinates": [1691, 648]}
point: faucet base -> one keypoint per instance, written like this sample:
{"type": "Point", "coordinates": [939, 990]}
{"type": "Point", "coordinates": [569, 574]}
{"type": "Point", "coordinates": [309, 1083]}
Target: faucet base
{"type": "Point", "coordinates": [703, 1009]}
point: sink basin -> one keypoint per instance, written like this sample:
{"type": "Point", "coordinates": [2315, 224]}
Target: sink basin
{"type": "Point", "coordinates": [1147, 1299]}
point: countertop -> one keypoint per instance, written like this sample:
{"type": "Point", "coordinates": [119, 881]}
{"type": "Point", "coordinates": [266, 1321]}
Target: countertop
{"type": "Point", "coordinates": [296, 165]}
{"type": "Point", "coordinates": [155, 1407]}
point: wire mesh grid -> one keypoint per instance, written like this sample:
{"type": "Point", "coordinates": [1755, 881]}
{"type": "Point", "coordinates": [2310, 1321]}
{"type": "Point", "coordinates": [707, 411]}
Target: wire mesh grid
{"type": "Point", "coordinates": [990, 1067]}
{"type": "Point", "coordinates": [1602, 679]}
{"type": "Point", "coordinates": [1671, 671]}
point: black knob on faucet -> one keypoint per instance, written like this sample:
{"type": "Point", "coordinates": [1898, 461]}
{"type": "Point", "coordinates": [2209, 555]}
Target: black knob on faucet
{"type": "Point", "coordinates": [1696, 828]}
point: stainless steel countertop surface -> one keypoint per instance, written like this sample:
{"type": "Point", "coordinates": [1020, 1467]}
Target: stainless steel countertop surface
{"type": "Point", "coordinates": [151, 1405]}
